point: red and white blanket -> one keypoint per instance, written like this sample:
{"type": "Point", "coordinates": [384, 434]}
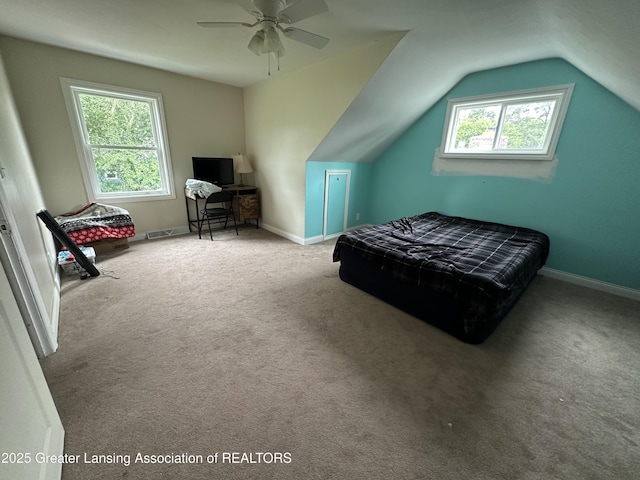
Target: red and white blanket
{"type": "Point", "coordinates": [95, 222]}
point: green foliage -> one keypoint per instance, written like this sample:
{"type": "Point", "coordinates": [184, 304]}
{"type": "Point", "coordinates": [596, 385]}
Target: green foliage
{"type": "Point", "coordinates": [127, 170]}
{"type": "Point", "coordinates": [471, 128]}
{"type": "Point", "coordinates": [526, 125]}
{"type": "Point", "coordinates": [117, 122]}
{"type": "Point", "coordinates": [476, 123]}
{"type": "Point", "coordinates": [120, 133]}
{"type": "Point", "coordinates": [526, 133]}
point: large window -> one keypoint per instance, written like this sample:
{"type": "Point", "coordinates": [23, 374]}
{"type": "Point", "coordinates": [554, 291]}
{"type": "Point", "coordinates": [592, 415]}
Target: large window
{"type": "Point", "coordinates": [518, 125]}
{"type": "Point", "coordinates": [121, 140]}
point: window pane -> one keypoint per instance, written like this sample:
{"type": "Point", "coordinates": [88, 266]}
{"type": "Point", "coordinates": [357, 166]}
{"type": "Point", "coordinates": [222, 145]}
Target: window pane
{"type": "Point", "coordinates": [116, 121]}
{"type": "Point", "coordinates": [476, 128]}
{"type": "Point", "coordinates": [526, 125]}
{"type": "Point", "coordinates": [127, 170]}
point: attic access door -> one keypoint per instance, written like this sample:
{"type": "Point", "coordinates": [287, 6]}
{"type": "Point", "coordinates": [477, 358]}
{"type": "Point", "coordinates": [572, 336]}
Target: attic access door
{"type": "Point", "coordinates": [336, 202]}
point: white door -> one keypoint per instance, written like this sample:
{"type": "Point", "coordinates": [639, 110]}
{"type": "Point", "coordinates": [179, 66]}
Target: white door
{"type": "Point", "coordinates": [43, 333]}
{"type": "Point", "coordinates": [30, 426]}
{"type": "Point", "coordinates": [336, 202]}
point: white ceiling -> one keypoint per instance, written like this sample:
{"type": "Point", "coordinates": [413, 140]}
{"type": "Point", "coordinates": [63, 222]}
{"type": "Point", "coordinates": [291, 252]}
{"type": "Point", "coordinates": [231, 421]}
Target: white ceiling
{"type": "Point", "coordinates": [447, 39]}
{"type": "Point", "coordinates": [164, 34]}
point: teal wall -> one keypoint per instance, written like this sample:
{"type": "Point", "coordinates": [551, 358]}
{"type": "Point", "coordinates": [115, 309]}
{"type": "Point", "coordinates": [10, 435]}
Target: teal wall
{"type": "Point", "coordinates": [358, 194]}
{"type": "Point", "coordinates": [590, 208]}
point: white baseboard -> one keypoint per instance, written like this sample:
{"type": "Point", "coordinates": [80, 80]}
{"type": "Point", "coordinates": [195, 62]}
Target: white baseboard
{"type": "Point", "coordinates": [282, 233]}
{"type": "Point", "coordinates": [362, 225]}
{"type": "Point", "coordinates": [296, 239]}
{"type": "Point", "coordinates": [591, 283]}
{"type": "Point", "coordinates": [55, 311]}
{"type": "Point", "coordinates": [312, 240]}
{"type": "Point", "coordinates": [320, 238]}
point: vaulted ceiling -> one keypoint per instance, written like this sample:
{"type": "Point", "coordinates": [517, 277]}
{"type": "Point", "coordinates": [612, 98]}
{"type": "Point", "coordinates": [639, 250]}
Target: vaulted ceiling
{"type": "Point", "coordinates": [446, 40]}
{"type": "Point", "coordinates": [461, 37]}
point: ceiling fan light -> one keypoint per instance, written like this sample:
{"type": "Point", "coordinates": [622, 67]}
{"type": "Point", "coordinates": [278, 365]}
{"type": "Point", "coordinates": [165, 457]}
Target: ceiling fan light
{"type": "Point", "coordinates": [272, 41]}
{"type": "Point", "coordinates": [279, 52]}
{"type": "Point", "coordinates": [257, 44]}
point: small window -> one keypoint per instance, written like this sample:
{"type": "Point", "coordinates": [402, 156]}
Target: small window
{"type": "Point", "coordinates": [121, 139]}
{"type": "Point", "coordinates": [518, 125]}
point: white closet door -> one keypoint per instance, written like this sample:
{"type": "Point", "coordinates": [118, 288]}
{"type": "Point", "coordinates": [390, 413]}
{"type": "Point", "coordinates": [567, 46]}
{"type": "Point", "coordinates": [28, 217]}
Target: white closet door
{"type": "Point", "coordinates": [30, 426]}
{"type": "Point", "coordinates": [336, 202]}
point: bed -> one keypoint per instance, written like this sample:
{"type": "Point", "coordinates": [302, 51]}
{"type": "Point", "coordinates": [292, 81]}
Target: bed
{"type": "Point", "coordinates": [96, 222]}
{"type": "Point", "coordinates": [459, 274]}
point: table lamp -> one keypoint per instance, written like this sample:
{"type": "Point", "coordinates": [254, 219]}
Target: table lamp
{"type": "Point", "coordinates": [241, 165]}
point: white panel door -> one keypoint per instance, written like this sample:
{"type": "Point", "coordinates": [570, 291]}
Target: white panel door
{"type": "Point", "coordinates": [30, 426]}
{"type": "Point", "coordinates": [336, 202]}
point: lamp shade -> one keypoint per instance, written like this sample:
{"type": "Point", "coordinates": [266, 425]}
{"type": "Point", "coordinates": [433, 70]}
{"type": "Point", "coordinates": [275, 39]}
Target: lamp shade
{"type": "Point", "coordinates": [272, 41]}
{"type": "Point", "coordinates": [267, 41]}
{"type": "Point", "coordinates": [241, 164]}
{"type": "Point", "coordinates": [256, 44]}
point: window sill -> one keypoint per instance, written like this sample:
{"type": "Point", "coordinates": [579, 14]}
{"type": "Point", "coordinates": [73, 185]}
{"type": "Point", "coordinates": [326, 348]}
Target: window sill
{"type": "Point", "coordinates": [498, 156]}
{"type": "Point", "coordinates": [537, 169]}
{"type": "Point", "coordinates": [132, 198]}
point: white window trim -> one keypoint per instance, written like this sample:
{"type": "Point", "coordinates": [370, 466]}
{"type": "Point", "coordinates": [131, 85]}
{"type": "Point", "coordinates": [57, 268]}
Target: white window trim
{"type": "Point", "coordinates": [70, 87]}
{"type": "Point", "coordinates": [561, 92]}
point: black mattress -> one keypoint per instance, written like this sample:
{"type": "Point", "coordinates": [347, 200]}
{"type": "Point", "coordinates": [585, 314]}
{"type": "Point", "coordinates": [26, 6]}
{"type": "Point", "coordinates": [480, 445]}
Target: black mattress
{"type": "Point", "coordinates": [459, 274]}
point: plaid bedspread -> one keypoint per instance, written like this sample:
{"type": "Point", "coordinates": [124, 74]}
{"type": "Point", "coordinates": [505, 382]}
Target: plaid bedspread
{"type": "Point", "coordinates": [481, 264]}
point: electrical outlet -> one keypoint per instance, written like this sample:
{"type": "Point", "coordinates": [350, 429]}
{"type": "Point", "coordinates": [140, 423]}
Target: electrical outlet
{"type": "Point", "coordinates": [357, 216]}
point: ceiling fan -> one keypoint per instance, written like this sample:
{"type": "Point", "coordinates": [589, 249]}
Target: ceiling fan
{"type": "Point", "coordinates": [276, 15]}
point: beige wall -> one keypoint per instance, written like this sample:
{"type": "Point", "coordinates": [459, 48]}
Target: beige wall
{"type": "Point", "coordinates": [203, 118]}
{"type": "Point", "coordinates": [21, 199]}
{"type": "Point", "coordinates": [288, 115]}
{"type": "Point", "coordinates": [285, 118]}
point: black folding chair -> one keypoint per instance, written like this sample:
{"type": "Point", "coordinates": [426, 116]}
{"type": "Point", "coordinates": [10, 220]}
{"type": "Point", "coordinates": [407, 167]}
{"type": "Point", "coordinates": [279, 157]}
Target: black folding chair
{"type": "Point", "coordinates": [219, 207]}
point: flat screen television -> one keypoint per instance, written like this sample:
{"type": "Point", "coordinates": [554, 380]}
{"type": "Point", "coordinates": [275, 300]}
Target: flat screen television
{"type": "Point", "coordinates": [216, 170]}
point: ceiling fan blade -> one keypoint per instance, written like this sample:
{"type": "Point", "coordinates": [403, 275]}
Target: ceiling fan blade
{"type": "Point", "coordinates": [249, 7]}
{"type": "Point", "coordinates": [226, 24]}
{"type": "Point", "coordinates": [301, 10]}
{"type": "Point", "coordinates": [305, 37]}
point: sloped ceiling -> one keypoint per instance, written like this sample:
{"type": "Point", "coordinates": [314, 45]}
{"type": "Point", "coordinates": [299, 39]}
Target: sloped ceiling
{"type": "Point", "coordinates": [446, 40]}
{"type": "Point", "coordinates": [600, 38]}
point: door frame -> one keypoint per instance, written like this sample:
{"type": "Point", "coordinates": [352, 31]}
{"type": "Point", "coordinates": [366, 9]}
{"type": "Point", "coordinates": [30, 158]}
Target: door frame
{"type": "Point", "coordinates": [327, 175]}
{"type": "Point", "coordinates": [42, 331]}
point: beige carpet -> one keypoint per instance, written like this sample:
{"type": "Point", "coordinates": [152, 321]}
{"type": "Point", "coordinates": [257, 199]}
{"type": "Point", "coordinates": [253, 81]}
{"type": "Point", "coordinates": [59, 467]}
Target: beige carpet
{"type": "Point", "coordinates": [251, 344]}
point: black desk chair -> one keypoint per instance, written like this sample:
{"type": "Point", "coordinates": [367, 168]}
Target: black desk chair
{"type": "Point", "coordinates": [221, 212]}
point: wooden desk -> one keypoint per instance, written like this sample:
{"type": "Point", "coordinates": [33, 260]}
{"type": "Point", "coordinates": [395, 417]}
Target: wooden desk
{"type": "Point", "coordinates": [245, 205]}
